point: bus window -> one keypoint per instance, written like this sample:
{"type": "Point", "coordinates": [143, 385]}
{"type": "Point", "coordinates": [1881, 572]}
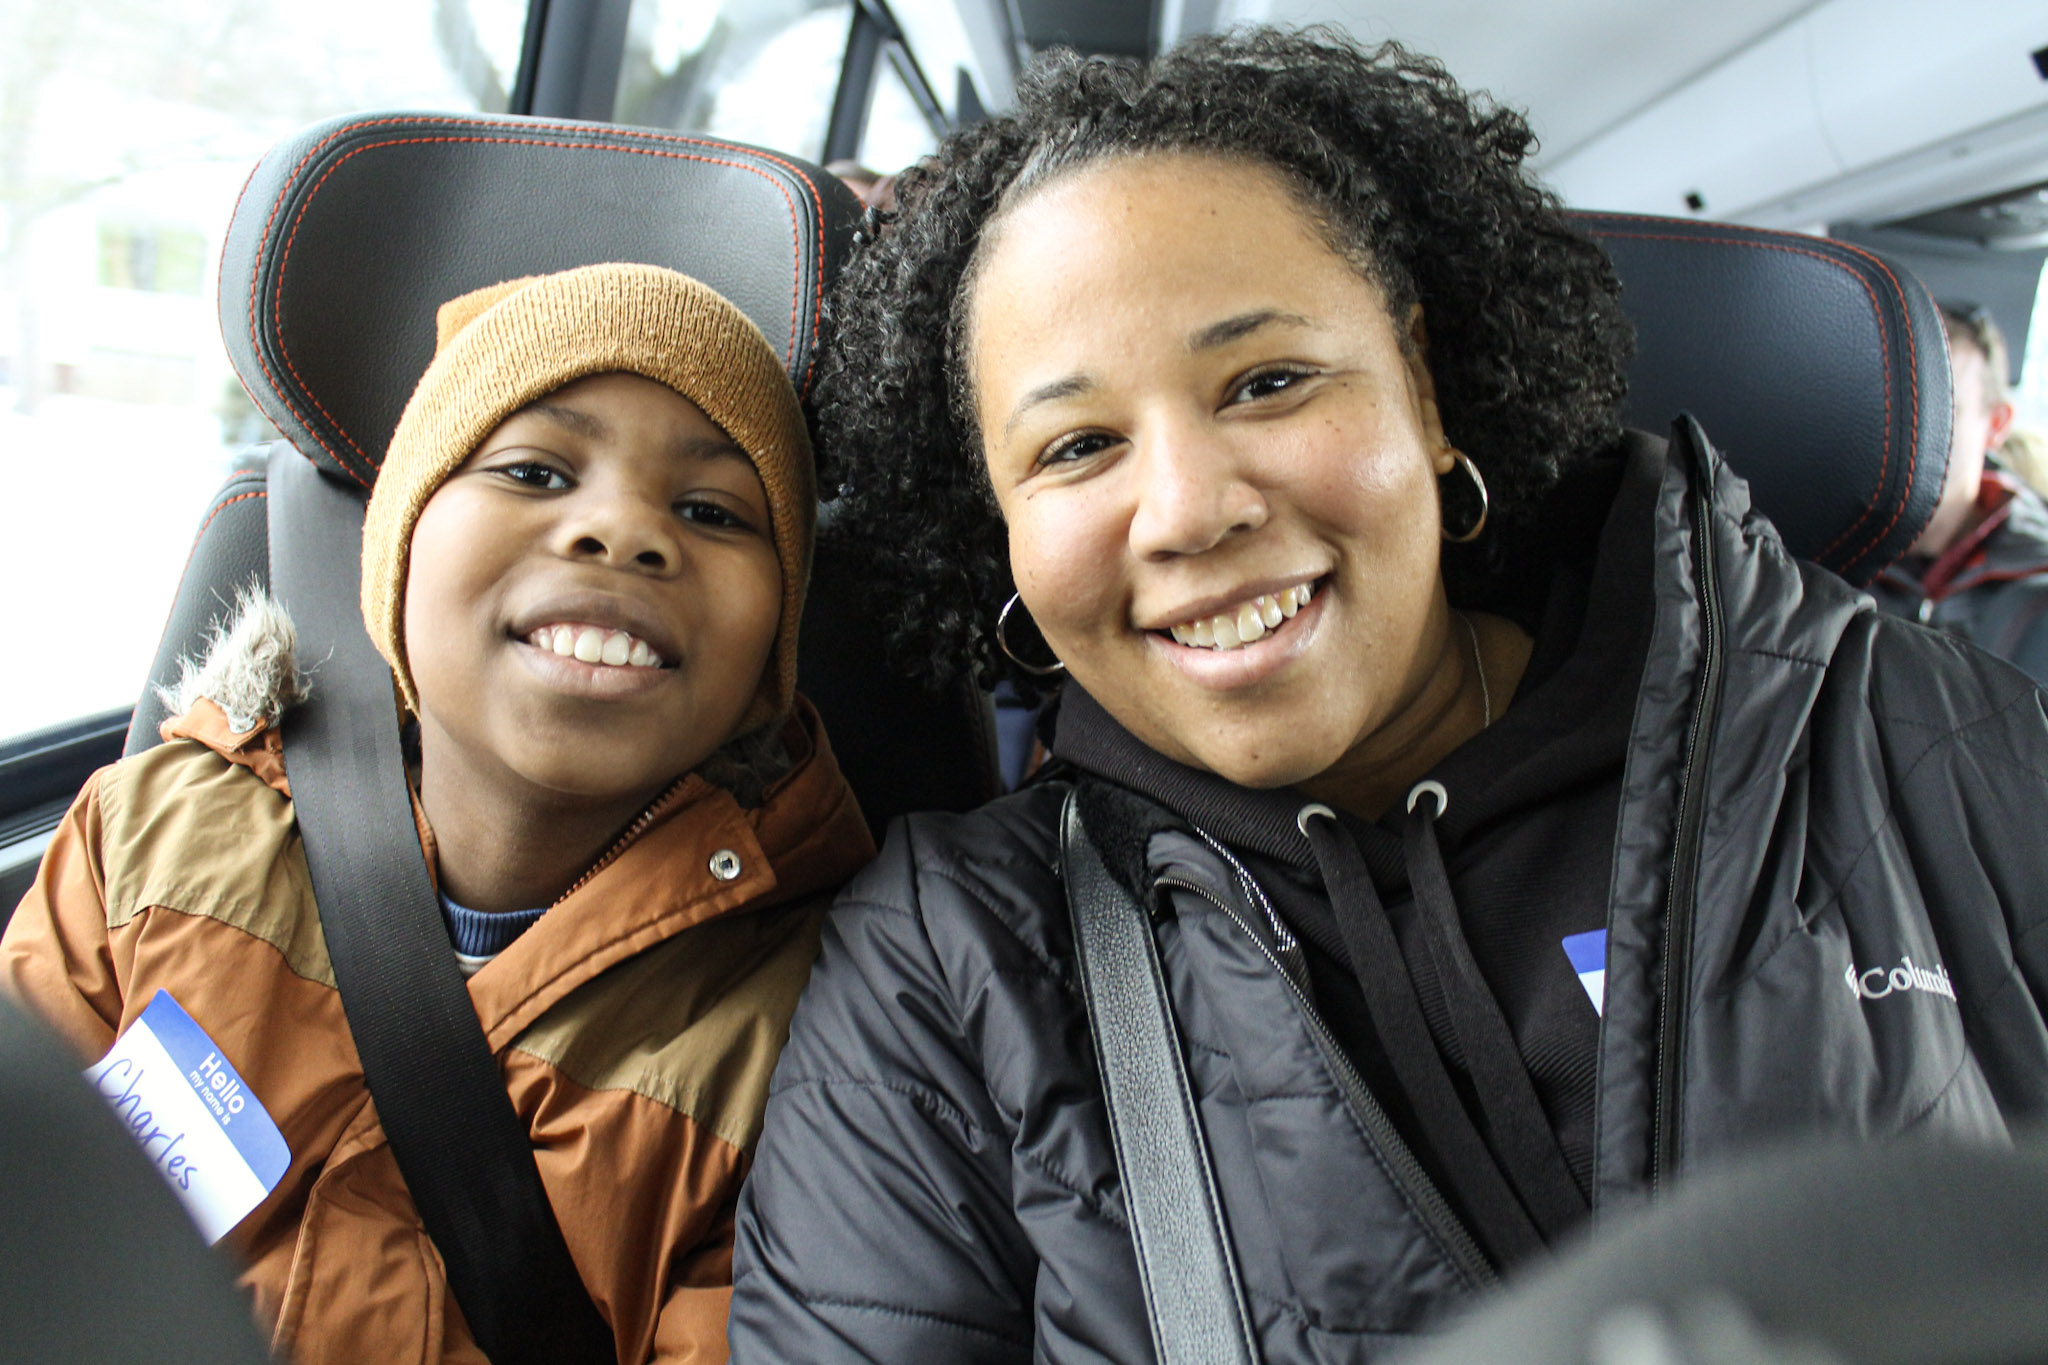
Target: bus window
{"type": "Point", "coordinates": [762, 73]}
{"type": "Point", "coordinates": [897, 132]}
{"type": "Point", "coordinates": [126, 135]}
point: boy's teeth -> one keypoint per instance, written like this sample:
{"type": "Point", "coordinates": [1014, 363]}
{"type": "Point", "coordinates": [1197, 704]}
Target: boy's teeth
{"type": "Point", "coordinates": [595, 645]}
{"type": "Point", "coordinates": [1254, 620]}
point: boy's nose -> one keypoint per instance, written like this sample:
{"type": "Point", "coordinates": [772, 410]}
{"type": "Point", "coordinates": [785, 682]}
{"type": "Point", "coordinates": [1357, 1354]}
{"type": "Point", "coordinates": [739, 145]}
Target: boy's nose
{"type": "Point", "coordinates": [622, 531]}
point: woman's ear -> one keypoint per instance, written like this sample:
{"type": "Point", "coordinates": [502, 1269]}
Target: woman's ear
{"type": "Point", "coordinates": [1422, 390]}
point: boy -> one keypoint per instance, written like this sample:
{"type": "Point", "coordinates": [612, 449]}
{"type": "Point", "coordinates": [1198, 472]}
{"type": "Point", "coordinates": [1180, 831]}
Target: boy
{"type": "Point", "coordinates": [584, 559]}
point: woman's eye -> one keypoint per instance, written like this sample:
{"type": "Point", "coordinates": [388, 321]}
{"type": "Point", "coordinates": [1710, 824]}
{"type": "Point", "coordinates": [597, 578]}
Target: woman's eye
{"type": "Point", "coordinates": [1079, 446]}
{"type": "Point", "coordinates": [535, 475]}
{"type": "Point", "coordinates": [1266, 383]}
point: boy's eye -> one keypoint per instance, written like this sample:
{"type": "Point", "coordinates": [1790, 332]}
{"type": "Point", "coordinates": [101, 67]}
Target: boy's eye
{"type": "Point", "coordinates": [533, 474]}
{"type": "Point", "coordinates": [712, 514]}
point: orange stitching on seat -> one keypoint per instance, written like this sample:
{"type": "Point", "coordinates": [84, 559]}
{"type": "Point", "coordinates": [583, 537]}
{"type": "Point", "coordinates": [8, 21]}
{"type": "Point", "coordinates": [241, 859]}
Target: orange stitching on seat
{"type": "Point", "coordinates": [796, 282]}
{"type": "Point", "coordinates": [1877, 311]}
{"type": "Point", "coordinates": [1912, 359]}
{"type": "Point", "coordinates": [239, 497]}
{"type": "Point", "coordinates": [651, 135]}
{"type": "Point", "coordinates": [817, 275]}
{"type": "Point", "coordinates": [221, 507]}
{"type": "Point", "coordinates": [1913, 387]}
{"type": "Point", "coordinates": [796, 241]}
{"type": "Point", "coordinates": [256, 336]}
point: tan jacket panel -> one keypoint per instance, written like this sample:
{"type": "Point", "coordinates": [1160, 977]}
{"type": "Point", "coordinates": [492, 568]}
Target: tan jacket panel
{"type": "Point", "coordinates": [636, 1024]}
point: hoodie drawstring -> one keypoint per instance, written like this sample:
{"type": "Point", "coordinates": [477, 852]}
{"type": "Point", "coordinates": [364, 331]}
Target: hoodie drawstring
{"type": "Point", "coordinates": [1521, 1131]}
{"type": "Point", "coordinates": [1502, 1224]}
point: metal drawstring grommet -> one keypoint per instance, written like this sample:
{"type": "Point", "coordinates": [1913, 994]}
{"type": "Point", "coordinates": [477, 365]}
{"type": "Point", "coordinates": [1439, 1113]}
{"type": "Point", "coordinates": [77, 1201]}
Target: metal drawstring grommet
{"type": "Point", "coordinates": [1430, 788]}
{"type": "Point", "coordinates": [1309, 812]}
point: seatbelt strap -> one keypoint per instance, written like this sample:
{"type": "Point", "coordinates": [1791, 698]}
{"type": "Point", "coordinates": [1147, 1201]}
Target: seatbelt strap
{"type": "Point", "coordinates": [464, 1152]}
{"type": "Point", "coordinates": [1186, 1264]}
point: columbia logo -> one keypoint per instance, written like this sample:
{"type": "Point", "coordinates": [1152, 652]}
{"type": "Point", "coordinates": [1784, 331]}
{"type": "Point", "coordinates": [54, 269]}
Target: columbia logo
{"type": "Point", "coordinates": [1878, 982]}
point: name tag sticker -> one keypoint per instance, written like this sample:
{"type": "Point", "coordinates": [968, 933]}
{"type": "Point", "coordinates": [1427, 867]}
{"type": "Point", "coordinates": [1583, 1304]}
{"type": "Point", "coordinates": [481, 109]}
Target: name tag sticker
{"type": "Point", "coordinates": [1588, 954]}
{"type": "Point", "coordinates": [188, 1107]}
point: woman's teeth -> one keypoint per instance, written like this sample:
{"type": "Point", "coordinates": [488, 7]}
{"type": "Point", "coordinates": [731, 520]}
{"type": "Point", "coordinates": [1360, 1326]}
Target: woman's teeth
{"type": "Point", "coordinates": [594, 646]}
{"type": "Point", "coordinates": [1250, 621]}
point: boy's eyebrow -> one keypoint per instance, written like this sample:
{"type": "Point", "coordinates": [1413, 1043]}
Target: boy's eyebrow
{"type": "Point", "coordinates": [590, 424]}
{"type": "Point", "coordinates": [574, 419]}
{"type": "Point", "coordinates": [714, 448]}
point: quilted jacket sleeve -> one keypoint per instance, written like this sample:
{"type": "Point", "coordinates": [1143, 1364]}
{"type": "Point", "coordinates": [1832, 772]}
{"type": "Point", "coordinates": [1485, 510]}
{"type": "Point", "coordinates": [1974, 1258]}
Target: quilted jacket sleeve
{"type": "Point", "coordinates": [877, 1224]}
{"type": "Point", "coordinates": [54, 956]}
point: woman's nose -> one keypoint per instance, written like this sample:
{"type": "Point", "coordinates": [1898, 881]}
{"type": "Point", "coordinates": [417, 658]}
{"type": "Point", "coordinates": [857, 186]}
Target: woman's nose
{"type": "Point", "coordinates": [1193, 493]}
{"type": "Point", "coordinates": [621, 529]}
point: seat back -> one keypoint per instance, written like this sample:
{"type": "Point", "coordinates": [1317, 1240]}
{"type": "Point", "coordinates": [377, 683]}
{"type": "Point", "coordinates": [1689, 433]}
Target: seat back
{"type": "Point", "coordinates": [349, 236]}
{"type": "Point", "coordinates": [1819, 368]}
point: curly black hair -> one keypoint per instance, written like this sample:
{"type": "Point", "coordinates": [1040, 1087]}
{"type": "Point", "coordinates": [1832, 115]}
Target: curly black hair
{"type": "Point", "coordinates": [1415, 182]}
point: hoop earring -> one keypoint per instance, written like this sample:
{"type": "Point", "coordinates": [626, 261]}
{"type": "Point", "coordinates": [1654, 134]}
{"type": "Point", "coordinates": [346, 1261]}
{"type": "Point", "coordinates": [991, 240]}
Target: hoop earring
{"type": "Point", "coordinates": [1003, 643]}
{"type": "Point", "coordinates": [1479, 484]}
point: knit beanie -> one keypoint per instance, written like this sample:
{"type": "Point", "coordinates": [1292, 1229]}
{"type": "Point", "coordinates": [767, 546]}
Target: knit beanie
{"type": "Point", "coordinates": [507, 345]}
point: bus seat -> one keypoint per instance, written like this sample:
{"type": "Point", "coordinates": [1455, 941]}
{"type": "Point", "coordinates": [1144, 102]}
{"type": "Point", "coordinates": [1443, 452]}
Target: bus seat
{"type": "Point", "coordinates": [349, 235]}
{"type": "Point", "coordinates": [1819, 368]}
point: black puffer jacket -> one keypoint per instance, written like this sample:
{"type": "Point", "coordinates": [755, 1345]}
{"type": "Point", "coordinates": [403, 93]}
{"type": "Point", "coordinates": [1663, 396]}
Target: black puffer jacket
{"type": "Point", "coordinates": [1814, 794]}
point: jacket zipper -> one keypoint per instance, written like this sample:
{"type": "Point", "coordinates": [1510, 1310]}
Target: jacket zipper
{"type": "Point", "coordinates": [1409, 1177]}
{"type": "Point", "coordinates": [1681, 900]}
{"type": "Point", "coordinates": [619, 845]}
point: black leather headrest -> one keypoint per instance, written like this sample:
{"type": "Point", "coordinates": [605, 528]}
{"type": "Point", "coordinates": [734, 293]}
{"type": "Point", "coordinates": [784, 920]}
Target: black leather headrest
{"type": "Point", "coordinates": [349, 236]}
{"type": "Point", "coordinates": [1819, 368]}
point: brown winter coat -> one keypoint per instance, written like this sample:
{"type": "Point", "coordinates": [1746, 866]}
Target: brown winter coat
{"type": "Point", "coordinates": [636, 1025]}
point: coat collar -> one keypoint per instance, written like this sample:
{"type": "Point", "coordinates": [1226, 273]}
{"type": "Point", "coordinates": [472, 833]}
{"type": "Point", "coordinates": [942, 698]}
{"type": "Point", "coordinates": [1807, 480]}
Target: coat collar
{"type": "Point", "coordinates": [806, 838]}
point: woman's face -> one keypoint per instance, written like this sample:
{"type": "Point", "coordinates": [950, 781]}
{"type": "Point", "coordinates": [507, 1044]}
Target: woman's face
{"type": "Point", "coordinates": [1196, 414]}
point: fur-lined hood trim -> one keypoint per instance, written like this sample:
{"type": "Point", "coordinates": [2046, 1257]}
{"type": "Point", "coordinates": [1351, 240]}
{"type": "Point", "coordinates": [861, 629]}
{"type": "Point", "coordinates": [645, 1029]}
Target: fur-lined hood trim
{"type": "Point", "coordinates": [248, 670]}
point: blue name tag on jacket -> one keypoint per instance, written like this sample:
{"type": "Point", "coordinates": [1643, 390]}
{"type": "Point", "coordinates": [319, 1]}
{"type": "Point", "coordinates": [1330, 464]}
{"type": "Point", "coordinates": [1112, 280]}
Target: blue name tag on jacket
{"type": "Point", "coordinates": [195, 1118]}
{"type": "Point", "coordinates": [1588, 954]}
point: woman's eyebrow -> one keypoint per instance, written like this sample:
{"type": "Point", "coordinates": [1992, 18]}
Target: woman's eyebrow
{"type": "Point", "coordinates": [1046, 393]}
{"type": "Point", "coordinates": [1243, 325]}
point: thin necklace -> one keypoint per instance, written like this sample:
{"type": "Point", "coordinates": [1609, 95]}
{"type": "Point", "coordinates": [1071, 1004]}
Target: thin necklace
{"type": "Point", "coordinates": [1479, 665]}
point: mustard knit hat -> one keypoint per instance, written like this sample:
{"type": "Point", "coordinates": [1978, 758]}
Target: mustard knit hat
{"type": "Point", "coordinates": [505, 346]}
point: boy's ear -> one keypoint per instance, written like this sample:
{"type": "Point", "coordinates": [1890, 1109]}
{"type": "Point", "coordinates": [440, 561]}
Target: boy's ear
{"type": "Point", "coordinates": [464, 309]}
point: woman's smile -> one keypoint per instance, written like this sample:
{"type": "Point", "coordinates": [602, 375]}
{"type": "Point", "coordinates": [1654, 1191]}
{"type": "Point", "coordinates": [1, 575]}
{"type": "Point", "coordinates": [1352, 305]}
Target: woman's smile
{"type": "Point", "coordinates": [1234, 656]}
{"type": "Point", "coordinates": [1251, 619]}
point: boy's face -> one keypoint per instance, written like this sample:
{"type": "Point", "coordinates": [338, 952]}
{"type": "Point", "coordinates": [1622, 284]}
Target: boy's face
{"type": "Point", "coordinates": [592, 596]}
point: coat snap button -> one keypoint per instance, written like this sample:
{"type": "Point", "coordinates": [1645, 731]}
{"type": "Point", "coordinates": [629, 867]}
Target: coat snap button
{"type": "Point", "coordinates": [725, 864]}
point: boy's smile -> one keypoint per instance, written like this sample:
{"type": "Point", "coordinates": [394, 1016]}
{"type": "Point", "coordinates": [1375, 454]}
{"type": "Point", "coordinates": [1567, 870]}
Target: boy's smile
{"type": "Point", "coordinates": [591, 601]}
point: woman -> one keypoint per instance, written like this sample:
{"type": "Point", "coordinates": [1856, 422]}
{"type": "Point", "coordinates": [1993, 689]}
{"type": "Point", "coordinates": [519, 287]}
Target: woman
{"type": "Point", "coordinates": [1287, 408]}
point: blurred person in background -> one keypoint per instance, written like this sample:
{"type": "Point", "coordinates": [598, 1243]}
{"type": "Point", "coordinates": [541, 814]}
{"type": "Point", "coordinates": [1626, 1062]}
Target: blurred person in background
{"type": "Point", "coordinates": [2025, 455]}
{"type": "Point", "coordinates": [1980, 569]}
